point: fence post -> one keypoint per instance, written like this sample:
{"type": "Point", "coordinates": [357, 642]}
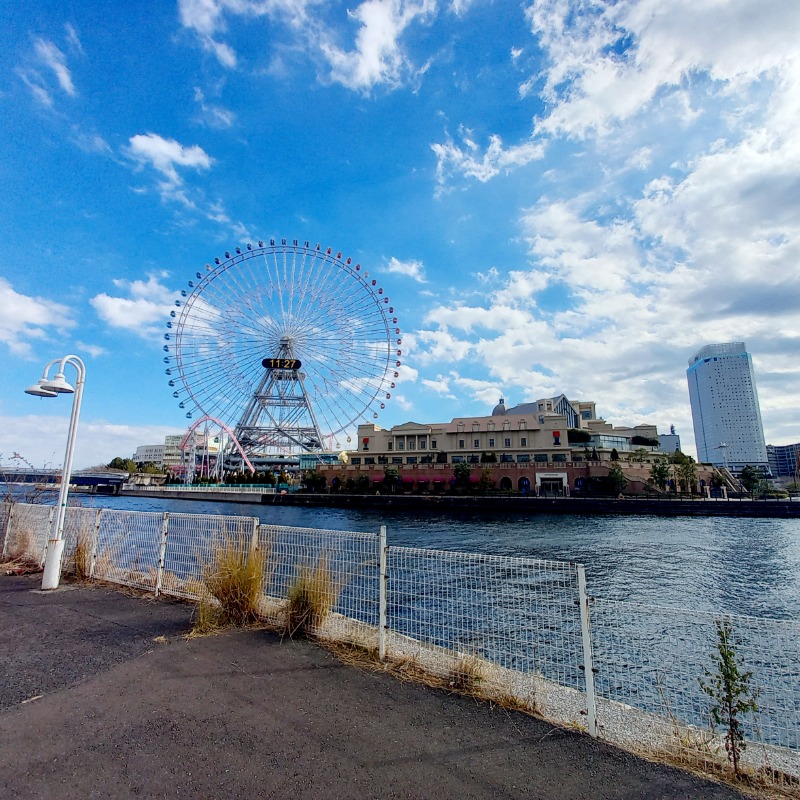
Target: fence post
{"type": "Point", "coordinates": [382, 596]}
{"type": "Point", "coordinates": [588, 666]}
{"type": "Point", "coordinates": [254, 536]}
{"type": "Point", "coordinates": [161, 552]}
{"type": "Point", "coordinates": [9, 522]}
{"type": "Point", "coordinates": [95, 542]}
{"type": "Point", "coordinates": [49, 534]}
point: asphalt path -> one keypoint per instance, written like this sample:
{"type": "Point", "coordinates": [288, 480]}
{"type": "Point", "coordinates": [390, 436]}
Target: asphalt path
{"type": "Point", "coordinates": [102, 696]}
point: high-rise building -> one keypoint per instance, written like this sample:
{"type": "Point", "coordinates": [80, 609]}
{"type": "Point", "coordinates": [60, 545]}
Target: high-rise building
{"type": "Point", "coordinates": [725, 412]}
{"type": "Point", "coordinates": [784, 460]}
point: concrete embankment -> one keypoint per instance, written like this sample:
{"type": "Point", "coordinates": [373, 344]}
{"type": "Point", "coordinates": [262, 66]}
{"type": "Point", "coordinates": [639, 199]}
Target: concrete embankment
{"type": "Point", "coordinates": [778, 509]}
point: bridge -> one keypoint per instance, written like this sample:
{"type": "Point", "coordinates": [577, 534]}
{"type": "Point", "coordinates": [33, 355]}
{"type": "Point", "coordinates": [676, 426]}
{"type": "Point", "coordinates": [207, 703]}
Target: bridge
{"type": "Point", "coordinates": [94, 482]}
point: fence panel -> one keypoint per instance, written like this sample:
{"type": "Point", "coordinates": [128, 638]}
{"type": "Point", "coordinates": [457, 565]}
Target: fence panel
{"type": "Point", "coordinates": [27, 534]}
{"type": "Point", "coordinates": [128, 547]}
{"type": "Point", "coordinates": [344, 566]}
{"type": "Point", "coordinates": [652, 659]}
{"type": "Point", "coordinates": [5, 513]}
{"type": "Point", "coordinates": [79, 540]}
{"type": "Point", "coordinates": [191, 542]}
{"type": "Point", "coordinates": [508, 620]}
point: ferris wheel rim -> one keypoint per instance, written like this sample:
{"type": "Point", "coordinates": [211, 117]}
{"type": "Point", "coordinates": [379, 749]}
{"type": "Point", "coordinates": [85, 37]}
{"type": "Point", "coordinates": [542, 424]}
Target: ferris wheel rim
{"type": "Point", "coordinates": [306, 311]}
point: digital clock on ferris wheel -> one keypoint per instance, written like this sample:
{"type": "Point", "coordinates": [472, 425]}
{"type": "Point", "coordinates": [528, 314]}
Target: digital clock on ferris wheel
{"type": "Point", "coordinates": [281, 363]}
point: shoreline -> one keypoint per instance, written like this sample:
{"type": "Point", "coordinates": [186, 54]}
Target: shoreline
{"type": "Point", "coordinates": [771, 509]}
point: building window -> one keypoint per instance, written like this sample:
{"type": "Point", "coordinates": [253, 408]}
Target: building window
{"type": "Point", "coordinates": [369, 460]}
{"type": "Point", "coordinates": [423, 443]}
{"type": "Point", "coordinates": [461, 427]}
{"type": "Point", "coordinates": [491, 442]}
{"type": "Point", "coordinates": [523, 425]}
{"type": "Point", "coordinates": [506, 442]}
{"type": "Point", "coordinates": [457, 460]}
{"type": "Point", "coordinates": [523, 442]}
{"type": "Point", "coordinates": [461, 444]}
{"type": "Point", "coordinates": [540, 458]}
{"type": "Point", "coordinates": [559, 456]}
{"type": "Point", "coordinates": [355, 461]}
{"type": "Point", "coordinates": [411, 460]}
{"type": "Point", "coordinates": [433, 444]}
{"type": "Point", "coordinates": [411, 444]}
{"type": "Point", "coordinates": [389, 446]}
{"type": "Point", "coordinates": [505, 458]}
{"type": "Point", "coordinates": [401, 444]}
{"type": "Point", "coordinates": [476, 426]}
{"type": "Point", "coordinates": [476, 442]}
{"type": "Point", "coordinates": [397, 460]}
{"type": "Point", "coordinates": [490, 426]}
{"type": "Point", "coordinates": [523, 458]}
{"type": "Point", "coordinates": [506, 425]}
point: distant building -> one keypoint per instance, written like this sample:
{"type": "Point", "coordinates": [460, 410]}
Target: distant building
{"type": "Point", "coordinates": [669, 442]}
{"type": "Point", "coordinates": [784, 460]}
{"type": "Point", "coordinates": [725, 411]}
{"type": "Point", "coordinates": [150, 454]}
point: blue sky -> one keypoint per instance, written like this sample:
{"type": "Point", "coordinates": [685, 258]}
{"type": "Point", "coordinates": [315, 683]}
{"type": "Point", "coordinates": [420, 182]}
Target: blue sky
{"type": "Point", "coordinates": [559, 196]}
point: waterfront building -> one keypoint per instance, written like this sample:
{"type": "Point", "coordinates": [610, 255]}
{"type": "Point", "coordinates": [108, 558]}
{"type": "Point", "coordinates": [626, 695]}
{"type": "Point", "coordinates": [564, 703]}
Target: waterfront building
{"type": "Point", "coordinates": [725, 411]}
{"type": "Point", "coordinates": [549, 446]}
{"type": "Point", "coordinates": [784, 460]}
{"type": "Point", "coordinates": [669, 442]}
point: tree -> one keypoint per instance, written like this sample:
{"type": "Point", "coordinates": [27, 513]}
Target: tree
{"type": "Point", "coordinates": [461, 473]}
{"type": "Point", "coordinates": [639, 455]}
{"type": "Point", "coordinates": [614, 454]}
{"type": "Point", "coordinates": [753, 478]}
{"type": "Point", "coordinates": [391, 477]}
{"type": "Point", "coordinates": [645, 441]}
{"type": "Point", "coordinates": [127, 464]}
{"type": "Point", "coordinates": [659, 473]}
{"type": "Point", "coordinates": [729, 689]}
{"type": "Point", "coordinates": [486, 484]}
{"type": "Point", "coordinates": [679, 458]}
{"type": "Point", "coordinates": [578, 436]}
{"type": "Point", "coordinates": [687, 475]}
{"type": "Point", "coordinates": [616, 480]}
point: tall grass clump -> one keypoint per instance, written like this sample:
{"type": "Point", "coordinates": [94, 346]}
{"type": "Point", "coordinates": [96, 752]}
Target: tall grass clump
{"type": "Point", "coordinates": [233, 581]}
{"type": "Point", "coordinates": [311, 597]}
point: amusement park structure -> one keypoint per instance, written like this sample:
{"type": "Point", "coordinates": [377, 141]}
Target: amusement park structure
{"type": "Point", "coordinates": [283, 347]}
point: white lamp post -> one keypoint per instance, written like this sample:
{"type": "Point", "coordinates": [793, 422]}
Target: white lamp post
{"type": "Point", "coordinates": [47, 387]}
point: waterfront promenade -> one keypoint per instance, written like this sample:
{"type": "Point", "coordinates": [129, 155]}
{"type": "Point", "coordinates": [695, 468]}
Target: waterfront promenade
{"type": "Point", "coordinates": [126, 706]}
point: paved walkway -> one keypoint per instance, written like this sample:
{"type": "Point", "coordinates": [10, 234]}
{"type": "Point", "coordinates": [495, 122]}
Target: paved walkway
{"type": "Point", "coordinates": [124, 713]}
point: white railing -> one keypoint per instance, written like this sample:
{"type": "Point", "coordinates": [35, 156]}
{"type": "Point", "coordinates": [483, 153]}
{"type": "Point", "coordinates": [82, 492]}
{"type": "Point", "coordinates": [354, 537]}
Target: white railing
{"type": "Point", "coordinates": [514, 628]}
{"type": "Point", "coordinates": [211, 487]}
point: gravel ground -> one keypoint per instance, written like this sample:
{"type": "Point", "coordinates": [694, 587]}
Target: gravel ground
{"type": "Point", "coordinates": [124, 712]}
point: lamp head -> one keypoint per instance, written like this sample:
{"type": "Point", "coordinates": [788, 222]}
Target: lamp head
{"type": "Point", "coordinates": [58, 384]}
{"type": "Point", "coordinates": [39, 390]}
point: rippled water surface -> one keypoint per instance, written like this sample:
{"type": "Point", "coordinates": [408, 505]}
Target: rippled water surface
{"type": "Point", "coordinates": [743, 566]}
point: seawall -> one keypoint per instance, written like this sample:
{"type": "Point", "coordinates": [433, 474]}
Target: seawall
{"type": "Point", "coordinates": [778, 509]}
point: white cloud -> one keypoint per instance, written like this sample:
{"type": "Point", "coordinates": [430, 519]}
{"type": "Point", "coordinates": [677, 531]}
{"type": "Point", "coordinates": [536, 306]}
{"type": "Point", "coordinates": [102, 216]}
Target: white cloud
{"type": "Point", "coordinates": [214, 116]}
{"type": "Point", "coordinates": [73, 39]}
{"type": "Point", "coordinates": [27, 319]}
{"type": "Point", "coordinates": [94, 350]}
{"type": "Point", "coordinates": [143, 311]}
{"type": "Point", "coordinates": [41, 439]}
{"type": "Point", "coordinates": [413, 269]}
{"type": "Point", "coordinates": [56, 61]}
{"type": "Point", "coordinates": [467, 159]}
{"type": "Point", "coordinates": [378, 57]}
{"type": "Point", "coordinates": [36, 86]}
{"type": "Point", "coordinates": [165, 155]}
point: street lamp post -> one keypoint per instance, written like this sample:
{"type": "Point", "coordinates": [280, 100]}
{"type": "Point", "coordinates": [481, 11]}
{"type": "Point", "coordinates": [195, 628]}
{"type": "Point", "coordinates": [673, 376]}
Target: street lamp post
{"type": "Point", "coordinates": [47, 387]}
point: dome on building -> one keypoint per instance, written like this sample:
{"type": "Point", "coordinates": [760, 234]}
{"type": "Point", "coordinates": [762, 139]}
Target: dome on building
{"type": "Point", "coordinates": [499, 409]}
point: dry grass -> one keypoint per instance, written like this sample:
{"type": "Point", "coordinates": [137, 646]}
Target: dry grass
{"type": "Point", "coordinates": [232, 586]}
{"type": "Point", "coordinates": [21, 548]}
{"type": "Point", "coordinates": [311, 596]}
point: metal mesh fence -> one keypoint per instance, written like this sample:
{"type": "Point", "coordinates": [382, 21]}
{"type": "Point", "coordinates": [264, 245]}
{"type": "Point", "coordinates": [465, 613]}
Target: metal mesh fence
{"type": "Point", "coordinates": [5, 513]}
{"type": "Point", "coordinates": [192, 545]}
{"type": "Point", "coordinates": [339, 570]}
{"type": "Point", "coordinates": [511, 624]}
{"type": "Point", "coordinates": [504, 626]}
{"type": "Point", "coordinates": [656, 660]}
{"type": "Point", "coordinates": [27, 532]}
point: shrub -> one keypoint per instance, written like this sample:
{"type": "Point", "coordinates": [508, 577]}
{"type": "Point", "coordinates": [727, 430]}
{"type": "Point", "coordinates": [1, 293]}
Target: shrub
{"type": "Point", "coordinates": [311, 596]}
{"type": "Point", "coordinates": [235, 579]}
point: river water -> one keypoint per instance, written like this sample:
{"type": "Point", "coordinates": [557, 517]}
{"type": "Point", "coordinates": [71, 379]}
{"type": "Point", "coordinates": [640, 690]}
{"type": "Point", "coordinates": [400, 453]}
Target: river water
{"type": "Point", "coordinates": [721, 564]}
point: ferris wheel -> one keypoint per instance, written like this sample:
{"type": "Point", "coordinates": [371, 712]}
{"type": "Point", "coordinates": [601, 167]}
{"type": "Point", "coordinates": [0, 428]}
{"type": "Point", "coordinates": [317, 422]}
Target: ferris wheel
{"type": "Point", "coordinates": [288, 342]}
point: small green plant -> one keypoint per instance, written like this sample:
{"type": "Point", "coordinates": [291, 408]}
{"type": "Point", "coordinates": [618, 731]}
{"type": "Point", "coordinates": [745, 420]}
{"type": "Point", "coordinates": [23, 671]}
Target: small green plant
{"type": "Point", "coordinates": [235, 579]}
{"type": "Point", "coordinates": [732, 695]}
{"type": "Point", "coordinates": [311, 596]}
